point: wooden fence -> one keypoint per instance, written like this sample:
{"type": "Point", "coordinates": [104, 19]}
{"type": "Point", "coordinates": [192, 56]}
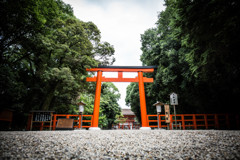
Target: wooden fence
{"type": "Point", "coordinates": [86, 121]}
{"type": "Point", "coordinates": [197, 121]}
{"type": "Point", "coordinates": [184, 121]}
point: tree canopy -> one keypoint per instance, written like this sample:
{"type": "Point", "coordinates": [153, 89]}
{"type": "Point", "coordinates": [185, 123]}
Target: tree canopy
{"type": "Point", "coordinates": [194, 45]}
{"type": "Point", "coordinates": [45, 51]}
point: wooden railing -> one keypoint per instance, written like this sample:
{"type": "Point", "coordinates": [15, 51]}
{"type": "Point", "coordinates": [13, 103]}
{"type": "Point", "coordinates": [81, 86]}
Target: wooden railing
{"type": "Point", "coordinates": [197, 121]}
{"type": "Point", "coordinates": [184, 121]}
{"type": "Point", "coordinates": [86, 121]}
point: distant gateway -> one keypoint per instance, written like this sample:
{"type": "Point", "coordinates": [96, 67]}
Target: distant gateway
{"type": "Point", "coordinates": [120, 69]}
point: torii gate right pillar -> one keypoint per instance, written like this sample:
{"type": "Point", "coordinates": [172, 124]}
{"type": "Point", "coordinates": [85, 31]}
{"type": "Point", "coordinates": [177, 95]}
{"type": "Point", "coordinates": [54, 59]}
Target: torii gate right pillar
{"type": "Point", "coordinates": [142, 102]}
{"type": "Point", "coordinates": [142, 99]}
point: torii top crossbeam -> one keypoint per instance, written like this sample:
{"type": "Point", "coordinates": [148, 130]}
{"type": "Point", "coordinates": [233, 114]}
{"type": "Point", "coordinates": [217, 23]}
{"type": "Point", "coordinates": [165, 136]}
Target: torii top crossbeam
{"type": "Point", "coordinates": [120, 70]}
{"type": "Point", "coordinates": [123, 69]}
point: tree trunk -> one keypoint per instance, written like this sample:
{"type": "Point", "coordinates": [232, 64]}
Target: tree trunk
{"type": "Point", "coordinates": [110, 125]}
{"type": "Point", "coordinates": [49, 97]}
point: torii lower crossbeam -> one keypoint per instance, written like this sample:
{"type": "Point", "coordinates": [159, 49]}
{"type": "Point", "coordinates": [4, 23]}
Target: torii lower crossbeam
{"type": "Point", "coordinates": [120, 69]}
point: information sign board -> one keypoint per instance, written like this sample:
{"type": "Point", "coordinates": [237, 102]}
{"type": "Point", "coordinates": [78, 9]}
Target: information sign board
{"type": "Point", "coordinates": [65, 124]}
{"type": "Point", "coordinates": [173, 99]}
{"type": "Point", "coordinates": [42, 116]}
{"type": "Point", "coordinates": [167, 113]}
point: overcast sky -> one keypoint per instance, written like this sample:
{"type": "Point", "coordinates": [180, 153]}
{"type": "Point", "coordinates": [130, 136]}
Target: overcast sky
{"type": "Point", "coordinates": [121, 23]}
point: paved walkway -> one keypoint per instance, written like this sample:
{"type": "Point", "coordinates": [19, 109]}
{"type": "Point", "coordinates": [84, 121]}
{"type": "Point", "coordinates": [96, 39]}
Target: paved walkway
{"type": "Point", "coordinates": [121, 144]}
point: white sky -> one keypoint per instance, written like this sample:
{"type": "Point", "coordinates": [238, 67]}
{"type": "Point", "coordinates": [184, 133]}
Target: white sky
{"type": "Point", "coordinates": [121, 23]}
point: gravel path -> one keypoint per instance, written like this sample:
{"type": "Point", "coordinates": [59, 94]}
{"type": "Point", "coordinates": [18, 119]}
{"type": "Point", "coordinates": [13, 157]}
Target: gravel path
{"type": "Point", "coordinates": [121, 144]}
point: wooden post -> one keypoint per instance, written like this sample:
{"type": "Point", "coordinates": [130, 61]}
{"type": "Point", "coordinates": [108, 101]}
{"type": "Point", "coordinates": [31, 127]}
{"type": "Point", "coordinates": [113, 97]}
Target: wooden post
{"type": "Point", "coordinates": [54, 121]}
{"type": "Point", "coordinates": [194, 121]}
{"type": "Point", "coordinates": [216, 121]}
{"type": "Point", "coordinates": [160, 122]}
{"type": "Point", "coordinates": [31, 121]}
{"type": "Point", "coordinates": [97, 99]}
{"type": "Point", "coordinates": [206, 121]}
{"type": "Point", "coordinates": [50, 126]}
{"type": "Point", "coordinates": [91, 121]}
{"type": "Point", "coordinates": [120, 75]}
{"type": "Point", "coordinates": [171, 120]}
{"type": "Point", "coordinates": [175, 116]}
{"type": "Point", "coordinates": [79, 121]}
{"type": "Point", "coordinates": [41, 127]}
{"type": "Point", "coordinates": [183, 122]}
{"type": "Point", "coordinates": [142, 100]}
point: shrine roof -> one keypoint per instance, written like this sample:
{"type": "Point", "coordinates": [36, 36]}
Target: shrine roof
{"type": "Point", "coordinates": [127, 112]}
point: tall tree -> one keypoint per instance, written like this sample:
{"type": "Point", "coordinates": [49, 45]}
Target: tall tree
{"type": "Point", "coordinates": [45, 51]}
{"type": "Point", "coordinates": [109, 103]}
{"type": "Point", "coordinates": [212, 31]}
{"type": "Point", "coordinates": [161, 48]}
{"type": "Point", "coordinates": [132, 99]}
{"type": "Point", "coordinates": [194, 46]}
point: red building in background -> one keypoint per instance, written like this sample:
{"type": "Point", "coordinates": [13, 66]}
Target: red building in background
{"type": "Point", "coordinates": [129, 120]}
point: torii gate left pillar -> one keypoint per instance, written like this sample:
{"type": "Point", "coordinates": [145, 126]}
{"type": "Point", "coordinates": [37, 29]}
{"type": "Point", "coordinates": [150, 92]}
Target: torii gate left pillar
{"type": "Point", "coordinates": [120, 69]}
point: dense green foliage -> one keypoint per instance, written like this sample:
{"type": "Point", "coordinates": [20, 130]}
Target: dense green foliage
{"type": "Point", "coordinates": [194, 46]}
{"type": "Point", "coordinates": [45, 51]}
{"type": "Point", "coordinates": [109, 108]}
{"type": "Point", "coordinates": [109, 104]}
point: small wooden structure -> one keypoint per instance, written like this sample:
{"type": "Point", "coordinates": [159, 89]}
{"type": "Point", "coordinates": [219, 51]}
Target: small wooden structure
{"type": "Point", "coordinates": [86, 121]}
{"type": "Point", "coordinates": [6, 115]}
{"type": "Point", "coordinates": [41, 117]}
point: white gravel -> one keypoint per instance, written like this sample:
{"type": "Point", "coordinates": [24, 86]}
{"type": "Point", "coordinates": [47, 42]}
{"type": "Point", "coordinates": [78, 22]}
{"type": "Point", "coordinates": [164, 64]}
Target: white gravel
{"type": "Point", "coordinates": [120, 144]}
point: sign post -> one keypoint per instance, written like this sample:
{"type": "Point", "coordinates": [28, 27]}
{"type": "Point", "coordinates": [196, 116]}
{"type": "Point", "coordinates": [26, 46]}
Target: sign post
{"type": "Point", "coordinates": [167, 114]}
{"type": "Point", "coordinates": [174, 101]}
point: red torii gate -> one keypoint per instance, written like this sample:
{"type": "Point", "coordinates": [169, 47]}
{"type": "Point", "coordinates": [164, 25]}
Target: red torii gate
{"type": "Point", "coordinates": [120, 69]}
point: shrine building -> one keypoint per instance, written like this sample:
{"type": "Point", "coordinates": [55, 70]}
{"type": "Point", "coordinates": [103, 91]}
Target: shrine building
{"type": "Point", "coordinates": [130, 121]}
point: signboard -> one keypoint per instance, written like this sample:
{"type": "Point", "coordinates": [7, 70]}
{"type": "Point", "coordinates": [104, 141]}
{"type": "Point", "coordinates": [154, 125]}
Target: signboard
{"type": "Point", "coordinates": [167, 113]}
{"type": "Point", "coordinates": [173, 99]}
{"type": "Point", "coordinates": [65, 124]}
{"type": "Point", "coordinates": [42, 116]}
